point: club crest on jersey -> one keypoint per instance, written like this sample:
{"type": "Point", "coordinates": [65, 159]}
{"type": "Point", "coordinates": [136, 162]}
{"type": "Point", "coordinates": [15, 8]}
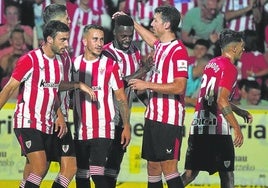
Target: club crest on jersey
{"type": "Point", "coordinates": [182, 65]}
{"type": "Point", "coordinates": [227, 164]}
{"type": "Point", "coordinates": [28, 144]}
{"type": "Point", "coordinates": [65, 148]}
{"type": "Point", "coordinates": [101, 70]}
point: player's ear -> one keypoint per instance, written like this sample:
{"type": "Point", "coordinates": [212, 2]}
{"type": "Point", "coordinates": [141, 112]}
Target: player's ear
{"type": "Point", "coordinates": [84, 41]}
{"type": "Point", "coordinates": [167, 25]}
{"type": "Point", "coordinates": [49, 40]}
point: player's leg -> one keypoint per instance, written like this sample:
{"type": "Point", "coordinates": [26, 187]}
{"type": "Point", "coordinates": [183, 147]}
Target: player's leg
{"type": "Point", "coordinates": [66, 155]}
{"type": "Point", "coordinates": [98, 155]}
{"type": "Point", "coordinates": [188, 176]}
{"type": "Point", "coordinates": [38, 168]}
{"type": "Point", "coordinates": [154, 172]}
{"type": "Point", "coordinates": [82, 178]}
{"type": "Point", "coordinates": [33, 144]}
{"type": "Point", "coordinates": [227, 179]}
{"type": "Point", "coordinates": [149, 150]}
{"type": "Point", "coordinates": [112, 167]}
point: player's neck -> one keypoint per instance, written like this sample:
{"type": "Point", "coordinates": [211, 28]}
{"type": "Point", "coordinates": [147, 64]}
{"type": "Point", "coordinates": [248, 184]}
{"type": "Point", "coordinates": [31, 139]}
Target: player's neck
{"type": "Point", "coordinates": [229, 56]}
{"type": "Point", "coordinates": [168, 37]}
{"type": "Point", "coordinates": [47, 51]}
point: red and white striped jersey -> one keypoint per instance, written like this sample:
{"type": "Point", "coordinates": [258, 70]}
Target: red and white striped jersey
{"type": "Point", "coordinates": [94, 119]}
{"type": "Point", "coordinates": [96, 5]}
{"type": "Point", "coordinates": [208, 119]}
{"type": "Point", "coordinates": [129, 62]}
{"type": "Point", "coordinates": [81, 18]}
{"type": "Point", "coordinates": [142, 12]}
{"type": "Point", "coordinates": [40, 77]}
{"type": "Point", "coordinates": [183, 5]}
{"type": "Point", "coordinates": [243, 22]}
{"type": "Point", "coordinates": [170, 63]}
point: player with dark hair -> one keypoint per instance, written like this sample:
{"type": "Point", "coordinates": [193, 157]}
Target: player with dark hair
{"type": "Point", "coordinates": [128, 57]}
{"type": "Point", "coordinates": [210, 144]}
{"type": "Point", "coordinates": [39, 74]}
{"type": "Point", "coordinates": [94, 125]}
{"type": "Point", "coordinates": [164, 116]}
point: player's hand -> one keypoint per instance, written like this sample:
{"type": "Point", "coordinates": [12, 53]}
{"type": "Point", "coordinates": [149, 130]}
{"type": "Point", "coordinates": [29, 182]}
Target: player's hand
{"type": "Point", "coordinates": [88, 90]}
{"type": "Point", "coordinates": [118, 13]}
{"type": "Point", "coordinates": [248, 118]}
{"type": "Point", "coordinates": [125, 136]}
{"type": "Point", "coordinates": [238, 138]}
{"type": "Point", "coordinates": [137, 84]}
{"type": "Point", "coordinates": [60, 126]}
{"type": "Point", "coordinates": [149, 62]}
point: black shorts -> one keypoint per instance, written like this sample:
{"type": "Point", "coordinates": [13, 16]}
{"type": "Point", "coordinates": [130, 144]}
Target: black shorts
{"type": "Point", "coordinates": [117, 152]}
{"type": "Point", "coordinates": [62, 147]}
{"type": "Point", "coordinates": [92, 152]}
{"type": "Point", "coordinates": [161, 142]}
{"type": "Point", "coordinates": [32, 140]}
{"type": "Point", "coordinates": [210, 153]}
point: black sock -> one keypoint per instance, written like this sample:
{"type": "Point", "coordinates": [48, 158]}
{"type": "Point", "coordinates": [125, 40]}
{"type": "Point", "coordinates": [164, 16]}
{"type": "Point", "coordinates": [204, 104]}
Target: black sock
{"type": "Point", "coordinates": [158, 184]}
{"type": "Point", "coordinates": [100, 181]}
{"type": "Point", "coordinates": [56, 185]}
{"type": "Point", "coordinates": [111, 181]}
{"type": "Point", "coordinates": [29, 184]}
{"type": "Point", "coordinates": [175, 182]}
{"type": "Point", "coordinates": [82, 183]}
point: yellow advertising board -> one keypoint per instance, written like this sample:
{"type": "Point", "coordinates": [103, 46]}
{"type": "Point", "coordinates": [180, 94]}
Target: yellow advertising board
{"type": "Point", "coordinates": [251, 165]}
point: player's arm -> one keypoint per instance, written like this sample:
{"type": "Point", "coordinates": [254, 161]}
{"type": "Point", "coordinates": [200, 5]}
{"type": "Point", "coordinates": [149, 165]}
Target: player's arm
{"type": "Point", "coordinates": [66, 85]}
{"type": "Point", "coordinates": [177, 87]}
{"type": "Point", "coordinates": [8, 90]}
{"type": "Point", "coordinates": [124, 112]}
{"type": "Point", "coordinates": [226, 109]}
{"type": "Point", "coordinates": [141, 72]}
{"type": "Point", "coordinates": [242, 113]}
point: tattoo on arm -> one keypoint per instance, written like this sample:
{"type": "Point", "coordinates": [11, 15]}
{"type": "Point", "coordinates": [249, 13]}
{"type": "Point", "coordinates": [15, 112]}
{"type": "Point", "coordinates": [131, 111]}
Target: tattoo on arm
{"type": "Point", "coordinates": [124, 111]}
{"type": "Point", "coordinates": [226, 110]}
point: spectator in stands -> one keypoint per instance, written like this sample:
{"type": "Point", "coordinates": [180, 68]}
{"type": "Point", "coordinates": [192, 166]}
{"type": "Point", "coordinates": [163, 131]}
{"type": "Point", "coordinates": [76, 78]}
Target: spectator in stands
{"type": "Point", "coordinates": [17, 42]}
{"type": "Point", "coordinates": [244, 15]}
{"type": "Point", "coordinates": [12, 15]}
{"type": "Point", "coordinates": [200, 49]}
{"type": "Point", "coordinates": [204, 21]}
{"type": "Point", "coordinates": [12, 60]}
{"type": "Point", "coordinates": [141, 11]}
{"type": "Point", "coordinates": [17, 48]}
{"type": "Point", "coordinates": [241, 15]}
{"type": "Point", "coordinates": [195, 72]}
{"type": "Point", "coordinates": [82, 16]}
{"type": "Point", "coordinates": [252, 62]}
{"type": "Point", "coordinates": [253, 94]}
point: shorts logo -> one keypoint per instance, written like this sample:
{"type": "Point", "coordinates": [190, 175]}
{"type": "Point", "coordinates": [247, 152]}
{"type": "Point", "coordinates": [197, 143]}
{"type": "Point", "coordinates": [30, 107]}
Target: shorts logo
{"type": "Point", "coordinates": [65, 148]}
{"type": "Point", "coordinates": [28, 144]}
{"type": "Point", "coordinates": [227, 164]}
{"type": "Point", "coordinates": [168, 151]}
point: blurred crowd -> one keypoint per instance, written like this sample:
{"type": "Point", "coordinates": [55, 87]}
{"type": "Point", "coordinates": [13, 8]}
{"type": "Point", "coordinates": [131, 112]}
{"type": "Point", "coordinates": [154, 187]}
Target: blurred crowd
{"type": "Point", "coordinates": [21, 25]}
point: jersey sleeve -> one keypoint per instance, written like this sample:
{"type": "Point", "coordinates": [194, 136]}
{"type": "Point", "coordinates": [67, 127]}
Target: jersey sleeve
{"type": "Point", "coordinates": [180, 60]}
{"type": "Point", "coordinates": [228, 77]}
{"type": "Point", "coordinates": [23, 68]}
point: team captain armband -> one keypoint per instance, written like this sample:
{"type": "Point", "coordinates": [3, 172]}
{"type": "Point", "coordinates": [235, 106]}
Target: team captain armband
{"type": "Point", "coordinates": [226, 110]}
